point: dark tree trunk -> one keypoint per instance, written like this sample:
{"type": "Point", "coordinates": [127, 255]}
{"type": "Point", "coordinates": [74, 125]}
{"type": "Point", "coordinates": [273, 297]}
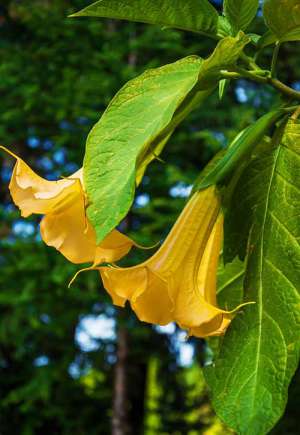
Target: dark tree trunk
{"type": "Point", "coordinates": [120, 425]}
{"type": "Point", "coordinates": [138, 374]}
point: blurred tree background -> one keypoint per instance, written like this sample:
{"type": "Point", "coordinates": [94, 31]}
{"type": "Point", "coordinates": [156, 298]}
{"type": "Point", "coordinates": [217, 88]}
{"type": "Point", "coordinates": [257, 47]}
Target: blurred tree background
{"type": "Point", "coordinates": [71, 363]}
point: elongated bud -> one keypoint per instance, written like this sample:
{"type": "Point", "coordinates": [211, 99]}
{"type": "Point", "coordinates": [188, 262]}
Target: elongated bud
{"type": "Point", "coordinates": [224, 163]}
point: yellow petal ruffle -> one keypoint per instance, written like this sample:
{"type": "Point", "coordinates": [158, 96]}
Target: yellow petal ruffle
{"type": "Point", "coordinates": [178, 283]}
{"type": "Point", "coordinates": [65, 225]}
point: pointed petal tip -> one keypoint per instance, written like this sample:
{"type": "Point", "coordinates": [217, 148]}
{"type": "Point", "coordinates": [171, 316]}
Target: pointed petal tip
{"type": "Point", "coordinates": [237, 309]}
{"type": "Point", "coordinates": [9, 152]}
{"type": "Point", "coordinates": [79, 272]}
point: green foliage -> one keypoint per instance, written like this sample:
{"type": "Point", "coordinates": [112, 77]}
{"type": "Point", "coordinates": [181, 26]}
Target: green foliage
{"type": "Point", "coordinates": [74, 79]}
{"type": "Point", "coordinates": [240, 13]}
{"type": "Point", "coordinates": [50, 92]}
{"type": "Point", "coordinates": [115, 142]}
{"type": "Point", "coordinates": [190, 15]}
{"type": "Point", "coordinates": [222, 167]}
{"type": "Point", "coordinates": [150, 100]}
{"type": "Point", "coordinates": [260, 353]}
{"type": "Point", "coordinates": [268, 38]}
{"type": "Point", "coordinates": [223, 85]}
{"type": "Point", "coordinates": [283, 18]}
{"type": "Point", "coordinates": [224, 56]}
{"type": "Point", "coordinates": [230, 283]}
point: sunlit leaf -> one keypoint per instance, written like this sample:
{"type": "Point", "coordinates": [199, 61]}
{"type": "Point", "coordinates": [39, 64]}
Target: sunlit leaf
{"type": "Point", "coordinates": [152, 152]}
{"type": "Point", "coordinates": [137, 124]}
{"type": "Point", "coordinates": [260, 352]}
{"type": "Point", "coordinates": [137, 120]}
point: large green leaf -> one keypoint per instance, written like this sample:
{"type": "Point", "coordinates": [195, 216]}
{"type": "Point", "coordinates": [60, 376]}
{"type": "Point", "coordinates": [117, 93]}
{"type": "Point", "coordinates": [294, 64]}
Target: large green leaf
{"type": "Point", "coordinates": [238, 218]}
{"type": "Point", "coordinates": [192, 15]}
{"type": "Point", "coordinates": [240, 13]}
{"type": "Point", "coordinates": [260, 352]}
{"type": "Point", "coordinates": [230, 291]}
{"type": "Point", "coordinates": [283, 18]}
{"type": "Point", "coordinates": [135, 123]}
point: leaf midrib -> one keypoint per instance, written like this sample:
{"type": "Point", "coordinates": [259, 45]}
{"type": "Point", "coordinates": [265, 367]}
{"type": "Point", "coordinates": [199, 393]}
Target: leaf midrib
{"type": "Point", "coordinates": [261, 270]}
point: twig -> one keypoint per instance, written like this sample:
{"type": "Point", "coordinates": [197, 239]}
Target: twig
{"type": "Point", "coordinates": [274, 59]}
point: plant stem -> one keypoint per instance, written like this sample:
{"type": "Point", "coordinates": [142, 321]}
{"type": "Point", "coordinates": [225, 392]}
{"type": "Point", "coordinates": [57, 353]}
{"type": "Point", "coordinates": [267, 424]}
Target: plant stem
{"type": "Point", "coordinates": [284, 89]}
{"type": "Point", "coordinates": [274, 59]}
{"type": "Point", "coordinates": [240, 73]}
{"type": "Point", "coordinates": [249, 61]}
{"type": "Point", "coordinates": [291, 109]}
{"type": "Point", "coordinates": [251, 75]}
{"type": "Point", "coordinates": [296, 114]}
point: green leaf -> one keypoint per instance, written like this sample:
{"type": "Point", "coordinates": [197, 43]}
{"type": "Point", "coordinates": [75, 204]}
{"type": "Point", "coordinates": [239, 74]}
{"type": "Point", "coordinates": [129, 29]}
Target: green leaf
{"type": "Point", "coordinates": [226, 53]}
{"type": "Point", "coordinates": [223, 85]}
{"type": "Point", "coordinates": [259, 354]}
{"type": "Point", "coordinates": [238, 219]}
{"type": "Point", "coordinates": [266, 39]}
{"type": "Point", "coordinates": [191, 15]}
{"type": "Point", "coordinates": [152, 152]}
{"type": "Point", "coordinates": [240, 13]}
{"type": "Point", "coordinates": [224, 27]}
{"type": "Point", "coordinates": [141, 116]}
{"type": "Point", "coordinates": [254, 37]}
{"type": "Point", "coordinates": [283, 18]}
{"type": "Point", "coordinates": [230, 292]}
{"type": "Point", "coordinates": [138, 123]}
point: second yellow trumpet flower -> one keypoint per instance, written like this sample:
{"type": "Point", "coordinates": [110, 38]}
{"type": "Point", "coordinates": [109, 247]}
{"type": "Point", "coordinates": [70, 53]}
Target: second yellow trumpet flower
{"type": "Point", "coordinates": [178, 283]}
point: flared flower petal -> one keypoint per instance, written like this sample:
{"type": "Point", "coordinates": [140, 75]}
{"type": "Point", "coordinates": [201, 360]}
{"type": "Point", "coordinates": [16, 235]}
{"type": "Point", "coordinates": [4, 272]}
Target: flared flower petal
{"type": "Point", "coordinates": [178, 283]}
{"type": "Point", "coordinates": [65, 225]}
{"type": "Point", "coordinates": [33, 194]}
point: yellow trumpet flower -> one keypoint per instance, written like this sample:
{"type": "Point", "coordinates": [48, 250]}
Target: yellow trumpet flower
{"type": "Point", "coordinates": [178, 283]}
{"type": "Point", "coordinates": [65, 225]}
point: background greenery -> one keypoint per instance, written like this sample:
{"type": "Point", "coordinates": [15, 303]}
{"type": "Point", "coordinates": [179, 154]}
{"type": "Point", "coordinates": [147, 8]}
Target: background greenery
{"type": "Point", "coordinates": [59, 353]}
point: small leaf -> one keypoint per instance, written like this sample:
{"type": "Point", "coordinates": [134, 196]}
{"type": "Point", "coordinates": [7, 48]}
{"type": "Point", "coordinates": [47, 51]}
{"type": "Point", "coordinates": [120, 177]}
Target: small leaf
{"type": "Point", "coordinates": [240, 13]}
{"type": "Point", "coordinates": [191, 15]}
{"type": "Point", "coordinates": [283, 18]}
{"type": "Point", "coordinates": [226, 53]}
{"type": "Point", "coordinates": [266, 39]}
{"type": "Point", "coordinates": [223, 85]}
{"type": "Point", "coordinates": [133, 129]}
{"type": "Point", "coordinates": [254, 37]}
{"type": "Point", "coordinates": [259, 354]}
